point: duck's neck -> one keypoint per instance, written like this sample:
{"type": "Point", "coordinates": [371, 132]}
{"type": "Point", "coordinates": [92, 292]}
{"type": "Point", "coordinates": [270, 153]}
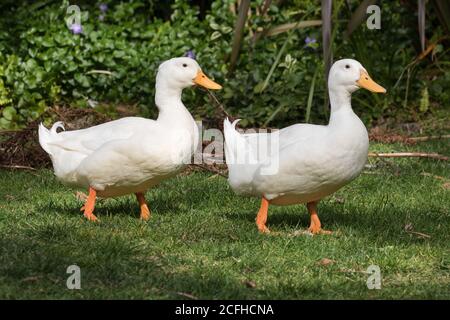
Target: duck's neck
{"type": "Point", "coordinates": [171, 108]}
{"type": "Point", "coordinates": [340, 101]}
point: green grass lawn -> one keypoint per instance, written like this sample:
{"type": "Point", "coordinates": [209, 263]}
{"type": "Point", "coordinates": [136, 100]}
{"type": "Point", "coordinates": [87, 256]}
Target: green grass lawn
{"type": "Point", "coordinates": [201, 240]}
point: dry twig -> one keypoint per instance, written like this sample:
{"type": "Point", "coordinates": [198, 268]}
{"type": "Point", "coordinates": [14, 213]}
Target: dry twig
{"type": "Point", "coordinates": [426, 138]}
{"type": "Point", "coordinates": [17, 167]}
{"type": "Point", "coordinates": [409, 155]}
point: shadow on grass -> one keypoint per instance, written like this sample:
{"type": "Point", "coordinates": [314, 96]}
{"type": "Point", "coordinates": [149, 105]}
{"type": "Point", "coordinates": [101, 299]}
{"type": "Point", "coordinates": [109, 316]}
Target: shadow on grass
{"type": "Point", "coordinates": [384, 226]}
{"type": "Point", "coordinates": [112, 268]}
{"type": "Point", "coordinates": [174, 196]}
{"type": "Point", "coordinates": [122, 206]}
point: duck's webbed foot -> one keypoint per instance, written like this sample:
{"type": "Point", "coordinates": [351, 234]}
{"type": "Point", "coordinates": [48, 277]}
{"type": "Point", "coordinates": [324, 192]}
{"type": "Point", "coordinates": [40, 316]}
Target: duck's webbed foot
{"type": "Point", "coordinates": [261, 218]}
{"type": "Point", "coordinates": [145, 210]}
{"type": "Point", "coordinates": [315, 225]}
{"type": "Point", "coordinates": [89, 205]}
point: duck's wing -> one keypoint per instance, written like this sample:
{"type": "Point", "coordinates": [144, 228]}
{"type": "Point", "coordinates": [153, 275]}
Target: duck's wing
{"type": "Point", "coordinates": [247, 152]}
{"type": "Point", "coordinates": [283, 137]}
{"type": "Point", "coordinates": [268, 158]}
{"type": "Point", "coordinates": [302, 153]}
{"type": "Point", "coordinates": [126, 162]}
{"type": "Point", "coordinates": [68, 149]}
{"type": "Point", "coordinates": [85, 141]}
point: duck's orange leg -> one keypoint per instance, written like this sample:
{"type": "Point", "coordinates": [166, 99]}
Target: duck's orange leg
{"type": "Point", "coordinates": [261, 218]}
{"type": "Point", "coordinates": [315, 226]}
{"type": "Point", "coordinates": [145, 211]}
{"type": "Point", "coordinates": [89, 205]}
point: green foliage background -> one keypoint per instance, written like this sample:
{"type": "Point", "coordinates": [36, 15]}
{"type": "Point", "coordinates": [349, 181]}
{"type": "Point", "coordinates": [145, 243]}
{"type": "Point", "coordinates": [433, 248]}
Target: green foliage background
{"type": "Point", "coordinates": [42, 63]}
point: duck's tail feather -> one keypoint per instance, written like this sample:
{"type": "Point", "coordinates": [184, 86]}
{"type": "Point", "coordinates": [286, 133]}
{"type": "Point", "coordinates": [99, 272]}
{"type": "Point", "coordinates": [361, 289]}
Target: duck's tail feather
{"type": "Point", "coordinates": [47, 136]}
{"type": "Point", "coordinates": [240, 159]}
{"type": "Point", "coordinates": [231, 137]}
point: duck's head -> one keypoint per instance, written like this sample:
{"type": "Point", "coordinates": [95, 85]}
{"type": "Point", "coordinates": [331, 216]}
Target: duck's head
{"type": "Point", "coordinates": [349, 75]}
{"type": "Point", "coordinates": [184, 72]}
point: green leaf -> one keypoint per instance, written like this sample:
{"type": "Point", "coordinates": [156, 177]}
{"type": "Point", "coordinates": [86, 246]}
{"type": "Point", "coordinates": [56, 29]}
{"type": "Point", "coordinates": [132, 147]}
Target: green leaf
{"type": "Point", "coordinates": [259, 87]}
{"type": "Point", "coordinates": [424, 100]}
{"type": "Point", "coordinates": [5, 123]}
{"type": "Point", "coordinates": [9, 113]}
{"type": "Point", "coordinates": [214, 26]}
{"type": "Point", "coordinates": [119, 54]}
{"type": "Point", "coordinates": [82, 80]}
{"type": "Point", "coordinates": [215, 35]}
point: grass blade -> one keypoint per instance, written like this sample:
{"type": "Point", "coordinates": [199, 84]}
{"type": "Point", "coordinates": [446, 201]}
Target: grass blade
{"type": "Point", "coordinates": [273, 114]}
{"type": "Point", "coordinates": [442, 8]}
{"type": "Point", "coordinates": [109, 73]}
{"type": "Point", "coordinates": [274, 64]}
{"type": "Point", "coordinates": [292, 25]}
{"type": "Point", "coordinates": [310, 95]}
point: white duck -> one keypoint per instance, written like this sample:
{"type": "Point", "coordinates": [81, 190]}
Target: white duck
{"type": "Point", "coordinates": [132, 154]}
{"type": "Point", "coordinates": [303, 163]}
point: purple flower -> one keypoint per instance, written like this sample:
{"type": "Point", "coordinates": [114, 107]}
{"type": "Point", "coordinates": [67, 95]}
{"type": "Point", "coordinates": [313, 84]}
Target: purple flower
{"type": "Point", "coordinates": [103, 7]}
{"type": "Point", "coordinates": [309, 40]}
{"type": "Point", "coordinates": [190, 54]}
{"type": "Point", "coordinates": [76, 28]}
{"type": "Point", "coordinates": [101, 17]}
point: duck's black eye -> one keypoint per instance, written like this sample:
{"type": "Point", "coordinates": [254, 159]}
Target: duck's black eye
{"type": "Point", "coordinates": [184, 65]}
{"type": "Point", "coordinates": [347, 66]}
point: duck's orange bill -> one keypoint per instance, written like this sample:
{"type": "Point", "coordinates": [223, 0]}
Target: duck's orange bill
{"type": "Point", "coordinates": [367, 83]}
{"type": "Point", "coordinates": [202, 80]}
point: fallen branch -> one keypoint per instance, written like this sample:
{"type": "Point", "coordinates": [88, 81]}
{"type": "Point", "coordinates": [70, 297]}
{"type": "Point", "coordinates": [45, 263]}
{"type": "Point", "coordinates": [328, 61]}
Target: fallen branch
{"type": "Point", "coordinates": [419, 234]}
{"type": "Point", "coordinates": [187, 295]}
{"type": "Point", "coordinates": [394, 138]}
{"type": "Point", "coordinates": [416, 139]}
{"type": "Point", "coordinates": [18, 167]}
{"type": "Point", "coordinates": [8, 131]}
{"type": "Point", "coordinates": [100, 72]}
{"type": "Point", "coordinates": [410, 229]}
{"type": "Point", "coordinates": [409, 155]}
{"type": "Point", "coordinates": [426, 174]}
